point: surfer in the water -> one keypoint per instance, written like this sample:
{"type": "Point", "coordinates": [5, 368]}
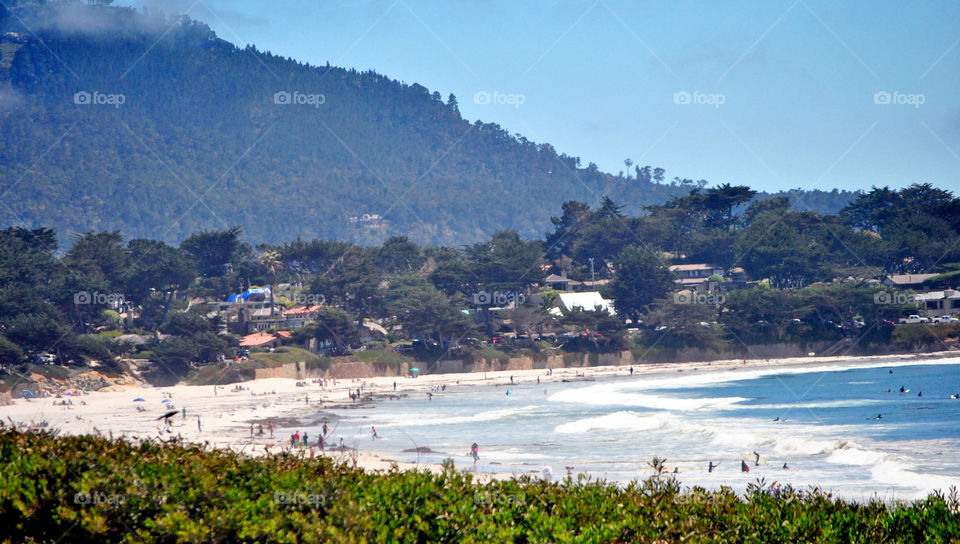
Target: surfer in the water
{"type": "Point", "coordinates": [744, 467]}
{"type": "Point", "coordinates": [757, 460]}
{"type": "Point", "coordinates": [712, 466]}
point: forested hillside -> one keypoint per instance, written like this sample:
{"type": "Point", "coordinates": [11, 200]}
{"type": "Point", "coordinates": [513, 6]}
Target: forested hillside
{"type": "Point", "coordinates": [114, 119]}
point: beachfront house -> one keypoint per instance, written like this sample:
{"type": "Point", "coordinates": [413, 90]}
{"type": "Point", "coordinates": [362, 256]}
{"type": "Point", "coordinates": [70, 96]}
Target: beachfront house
{"type": "Point", "coordinates": [263, 340]}
{"type": "Point", "coordinates": [939, 303]}
{"type": "Point", "coordinates": [252, 311]}
{"type": "Point", "coordinates": [294, 318]}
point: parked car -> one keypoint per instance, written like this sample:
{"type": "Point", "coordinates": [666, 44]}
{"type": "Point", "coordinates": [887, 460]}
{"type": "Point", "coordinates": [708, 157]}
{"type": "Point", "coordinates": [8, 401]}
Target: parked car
{"type": "Point", "coordinates": [914, 318]}
{"type": "Point", "coordinates": [946, 319]}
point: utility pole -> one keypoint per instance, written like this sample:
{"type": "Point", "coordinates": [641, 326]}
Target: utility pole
{"type": "Point", "coordinates": [592, 276]}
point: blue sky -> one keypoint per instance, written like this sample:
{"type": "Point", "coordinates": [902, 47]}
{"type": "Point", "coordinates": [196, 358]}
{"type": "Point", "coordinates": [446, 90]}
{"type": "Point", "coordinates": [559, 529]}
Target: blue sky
{"type": "Point", "coordinates": [772, 94]}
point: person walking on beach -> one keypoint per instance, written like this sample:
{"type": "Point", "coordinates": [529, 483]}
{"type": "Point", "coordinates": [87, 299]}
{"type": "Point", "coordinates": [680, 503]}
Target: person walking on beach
{"type": "Point", "coordinates": [303, 440]}
{"type": "Point", "coordinates": [260, 429]}
{"type": "Point", "coordinates": [251, 429]}
{"type": "Point", "coordinates": [475, 451]}
{"type": "Point", "coordinates": [756, 463]}
{"type": "Point", "coordinates": [198, 424]}
{"type": "Point", "coordinates": [184, 412]}
{"type": "Point", "coordinates": [631, 371]}
{"type": "Point", "coordinates": [394, 386]}
{"type": "Point", "coordinates": [270, 425]}
{"type": "Point", "coordinates": [373, 433]}
{"type": "Point", "coordinates": [326, 429]}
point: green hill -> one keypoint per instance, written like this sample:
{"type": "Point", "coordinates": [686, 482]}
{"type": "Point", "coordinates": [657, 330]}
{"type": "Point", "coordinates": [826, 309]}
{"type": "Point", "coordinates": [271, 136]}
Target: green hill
{"type": "Point", "coordinates": [119, 120]}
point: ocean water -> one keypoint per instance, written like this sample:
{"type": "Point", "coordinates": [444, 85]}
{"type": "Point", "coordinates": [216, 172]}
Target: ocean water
{"type": "Point", "coordinates": [828, 432]}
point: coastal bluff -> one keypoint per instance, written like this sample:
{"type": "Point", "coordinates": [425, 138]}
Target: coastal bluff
{"type": "Point", "coordinates": [349, 367]}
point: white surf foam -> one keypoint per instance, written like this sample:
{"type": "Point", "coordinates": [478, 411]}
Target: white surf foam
{"type": "Point", "coordinates": [627, 421]}
{"type": "Point", "coordinates": [606, 395]}
{"type": "Point", "coordinates": [421, 419]}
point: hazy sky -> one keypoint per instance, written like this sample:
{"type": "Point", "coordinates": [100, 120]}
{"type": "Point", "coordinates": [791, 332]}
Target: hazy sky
{"type": "Point", "coordinates": [773, 94]}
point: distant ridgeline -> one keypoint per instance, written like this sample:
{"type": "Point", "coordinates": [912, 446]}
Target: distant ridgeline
{"type": "Point", "coordinates": [118, 120]}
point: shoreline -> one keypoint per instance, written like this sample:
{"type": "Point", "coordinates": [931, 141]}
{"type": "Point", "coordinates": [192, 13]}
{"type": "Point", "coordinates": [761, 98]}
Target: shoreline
{"type": "Point", "coordinates": [227, 417]}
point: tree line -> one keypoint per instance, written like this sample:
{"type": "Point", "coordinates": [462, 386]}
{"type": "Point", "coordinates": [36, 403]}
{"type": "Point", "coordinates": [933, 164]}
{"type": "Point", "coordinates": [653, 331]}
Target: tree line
{"type": "Point", "coordinates": [814, 278]}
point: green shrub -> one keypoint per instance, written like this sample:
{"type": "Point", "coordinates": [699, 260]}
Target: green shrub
{"type": "Point", "coordinates": [97, 490]}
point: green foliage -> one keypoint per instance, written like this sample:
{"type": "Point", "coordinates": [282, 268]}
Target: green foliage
{"type": "Point", "coordinates": [487, 352]}
{"type": "Point", "coordinates": [10, 353]}
{"type": "Point", "coordinates": [99, 490]}
{"type": "Point", "coordinates": [285, 354]}
{"type": "Point", "coordinates": [641, 278]}
{"type": "Point", "coordinates": [382, 356]}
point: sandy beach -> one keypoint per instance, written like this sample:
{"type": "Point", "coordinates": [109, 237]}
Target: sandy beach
{"type": "Point", "coordinates": [230, 416]}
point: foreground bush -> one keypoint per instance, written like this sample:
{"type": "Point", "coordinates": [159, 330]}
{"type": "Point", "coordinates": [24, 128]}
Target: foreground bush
{"type": "Point", "coordinates": [89, 489]}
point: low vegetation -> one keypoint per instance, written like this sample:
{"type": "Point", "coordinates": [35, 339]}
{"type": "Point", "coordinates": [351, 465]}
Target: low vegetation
{"type": "Point", "coordinates": [90, 489]}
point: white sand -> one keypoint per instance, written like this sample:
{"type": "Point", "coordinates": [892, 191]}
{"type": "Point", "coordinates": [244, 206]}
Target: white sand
{"type": "Point", "coordinates": [225, 415]}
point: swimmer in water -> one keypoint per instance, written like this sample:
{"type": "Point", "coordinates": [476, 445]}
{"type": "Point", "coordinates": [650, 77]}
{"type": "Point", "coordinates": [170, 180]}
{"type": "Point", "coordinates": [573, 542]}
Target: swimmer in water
{"type": "Point", "coordinates": [744, 467]}
{"type": "Point", "coordinates": [785, 467]}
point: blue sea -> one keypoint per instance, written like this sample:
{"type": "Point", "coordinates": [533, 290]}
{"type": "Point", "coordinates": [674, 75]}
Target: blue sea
{"type": "Point", "coordinates": [822, 421]}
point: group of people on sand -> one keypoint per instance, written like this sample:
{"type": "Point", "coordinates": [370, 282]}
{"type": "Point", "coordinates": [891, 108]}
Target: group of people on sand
{"type": "Point", "coordinates": [260, 431]}
{"type": "Point", "coordinates": [298, 440]}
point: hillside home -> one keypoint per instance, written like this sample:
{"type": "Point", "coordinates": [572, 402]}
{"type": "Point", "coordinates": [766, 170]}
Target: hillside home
{"type": "Point", "coordinates": [939, 303]}
{"type": "Point", "coordinates": [586, 302]}
{"type": "Point", "coordinates": [694, 276]}
{"type": "Point", "coordinates": [907, 281]}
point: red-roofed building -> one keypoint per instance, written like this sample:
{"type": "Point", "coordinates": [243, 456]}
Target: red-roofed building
{"type": "Point", "coordinates": [295, 318]}
{"type": "Point", "coordinates": [260, 340]}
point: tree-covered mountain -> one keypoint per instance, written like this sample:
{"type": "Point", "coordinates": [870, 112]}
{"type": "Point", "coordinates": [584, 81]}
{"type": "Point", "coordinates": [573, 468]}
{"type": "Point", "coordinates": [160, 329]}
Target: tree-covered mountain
{"type": "Point", "coordinates": [114, 119]}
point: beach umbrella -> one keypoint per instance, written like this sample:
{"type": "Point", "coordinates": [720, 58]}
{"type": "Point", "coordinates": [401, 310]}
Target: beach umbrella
{"type": "Point", "coordinates": [69, 393]}
{"type": "Point", "coordinates": [414, 369]}
{"type": "Point", "coordinates": [139, 399]}
{"type": "Point", "coordinates": [27, 392]}
{"type": "Point", "coordinates": [165, 401]}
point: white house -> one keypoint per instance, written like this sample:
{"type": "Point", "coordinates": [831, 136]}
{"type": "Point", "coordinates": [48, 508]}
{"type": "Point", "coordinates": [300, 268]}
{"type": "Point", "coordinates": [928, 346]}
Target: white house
{"type": "Point", "coordinates": [588, 302]}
